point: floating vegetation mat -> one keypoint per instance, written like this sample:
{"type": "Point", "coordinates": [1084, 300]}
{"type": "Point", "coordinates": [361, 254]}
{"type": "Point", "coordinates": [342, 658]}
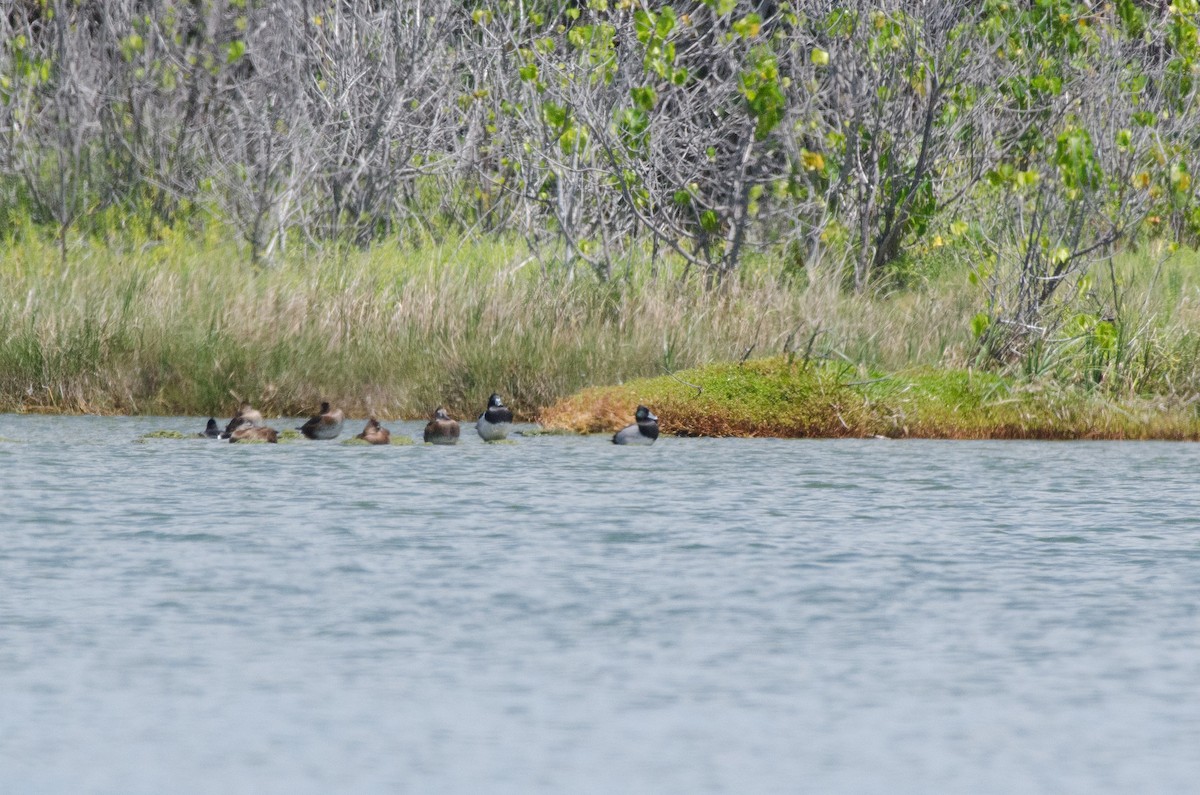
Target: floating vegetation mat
{"type": "Point", "coordinates": [167, 435]}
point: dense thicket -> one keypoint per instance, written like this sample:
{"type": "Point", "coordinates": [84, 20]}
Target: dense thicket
{"type": "Point", "coordinates": [1033, 135]}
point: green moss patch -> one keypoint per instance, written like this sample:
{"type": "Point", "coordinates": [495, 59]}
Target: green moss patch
{"type": "Point", "coordinates": [166, 435]}
{"type": "Point", "coordinates": [782, 398]}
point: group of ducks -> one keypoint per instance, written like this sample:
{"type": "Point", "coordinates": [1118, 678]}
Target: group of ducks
{"type": "Point", "coordinates": [493, 425]}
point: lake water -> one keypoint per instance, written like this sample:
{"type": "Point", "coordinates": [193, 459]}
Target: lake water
{"type": "Point", "coordinates": [560, 615]}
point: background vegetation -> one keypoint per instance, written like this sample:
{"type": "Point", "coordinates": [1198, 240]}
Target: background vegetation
{"type": "Point", "coordinates": [398, 203]}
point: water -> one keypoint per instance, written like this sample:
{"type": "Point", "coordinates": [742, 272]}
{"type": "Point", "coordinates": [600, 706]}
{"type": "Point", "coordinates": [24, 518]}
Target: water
{"type": "Point", "coordinates": [563, 616]}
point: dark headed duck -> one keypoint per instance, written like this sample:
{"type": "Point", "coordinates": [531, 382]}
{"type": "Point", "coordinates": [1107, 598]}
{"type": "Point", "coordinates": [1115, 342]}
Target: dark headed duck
{"type": "Point", "coordinates": [644, 431]}
{"type": "Point", "coordinates": [496, 420]}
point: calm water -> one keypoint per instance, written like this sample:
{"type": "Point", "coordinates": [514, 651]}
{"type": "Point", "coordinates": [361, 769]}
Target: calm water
{"type": "Point", "coordinates": [562, 616]}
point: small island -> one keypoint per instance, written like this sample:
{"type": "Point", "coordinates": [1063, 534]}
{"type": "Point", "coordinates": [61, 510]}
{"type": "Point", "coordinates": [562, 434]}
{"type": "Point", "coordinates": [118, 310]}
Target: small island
{"type": "Point", "coordinates": [783, 397]}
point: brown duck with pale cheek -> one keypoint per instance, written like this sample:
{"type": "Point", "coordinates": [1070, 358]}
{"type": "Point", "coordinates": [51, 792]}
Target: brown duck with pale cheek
{"type": "Point", "coordinates": [375, 433]}
{"type": "Point", "coordinates": [324, 425]}
{"type": "Point", "coordinates": [249, 432]}
{"type": "Point", "coordinates": [441, 429]}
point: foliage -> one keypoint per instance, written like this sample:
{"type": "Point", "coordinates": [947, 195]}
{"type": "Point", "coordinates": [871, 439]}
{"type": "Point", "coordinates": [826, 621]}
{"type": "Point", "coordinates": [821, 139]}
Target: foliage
{"type": "Point", "coordinates": [1031, 140]}
{"type": "Point", "coordinates": [785, 398]}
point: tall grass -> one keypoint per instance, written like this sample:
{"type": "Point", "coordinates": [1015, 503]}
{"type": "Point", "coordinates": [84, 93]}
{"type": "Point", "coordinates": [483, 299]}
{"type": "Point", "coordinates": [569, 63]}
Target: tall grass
{"type": "Point", "coordinates": [186, 325]}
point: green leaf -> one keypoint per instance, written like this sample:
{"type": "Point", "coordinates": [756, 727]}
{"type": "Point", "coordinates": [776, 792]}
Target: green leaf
{"type": "Point", "coordinates": [1105, 336]}
{"type": "Point", "coordinates": [237, 48]}
{"type": "Point", "coordinates": [643, 25]}
{"type": "Point", "coordinates": [980, 324]}
{"type": "Point", "coordinates": [131, 46]}
{"type": "Point", "coordinates": [665, 23]}
{"type": "Point", "coordinates": [644, 97]}
{"type": "Point", "coordinates": [555, 115]}
{"type": "Point", "coordinates": [748, 26]}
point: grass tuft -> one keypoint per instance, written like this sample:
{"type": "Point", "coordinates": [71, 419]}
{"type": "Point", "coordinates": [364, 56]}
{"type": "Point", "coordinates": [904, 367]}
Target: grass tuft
{"type": "Point", "coordinates": [780, 398]}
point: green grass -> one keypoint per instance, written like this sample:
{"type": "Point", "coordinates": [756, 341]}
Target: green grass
{"type": "Point", "coordinates": [185, 325]}
{"type": "Point", "coordinates": [189, 327]}
{"type": "Point", "coordinates": [786, 398]}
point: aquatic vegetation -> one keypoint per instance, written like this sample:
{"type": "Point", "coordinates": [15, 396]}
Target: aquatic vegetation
{"type": "Point", "coordinates": [166, 434]}
{"type": "Point", "coordinates": [783, 397]}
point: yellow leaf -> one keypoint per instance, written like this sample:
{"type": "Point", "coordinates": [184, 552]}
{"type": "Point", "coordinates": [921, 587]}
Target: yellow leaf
{"type": "Point", "coordinates": [819, 57]}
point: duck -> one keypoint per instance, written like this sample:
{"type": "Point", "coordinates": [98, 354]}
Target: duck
{"type": "Point", "coordinates": [249, 432]}
{"type": "Point", "coordinates": [325, 424]}
{"type": "Point", "coordinates": [441, 429]}
{"type": "Point", "coordinates": [246, 412]}
{"type": "Point", "coordinates": [496, 420]}
{"type": "Point", "coordinates": [375, 433]}
{"type": "Point", "coordinates": [644, 431]}
{"type": "Point", "coordinates": [211, 431]}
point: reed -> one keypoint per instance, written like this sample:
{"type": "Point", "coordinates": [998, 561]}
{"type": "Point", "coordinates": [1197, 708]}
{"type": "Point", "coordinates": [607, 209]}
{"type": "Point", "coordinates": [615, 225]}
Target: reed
{"type": "Point", "coordinates": [189, 327]}
{"type": "Point", "coordinates": [184, 324]}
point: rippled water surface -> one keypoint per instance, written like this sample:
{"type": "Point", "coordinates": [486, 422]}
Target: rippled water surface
{"type": "Point", "coordinates": [559, 615]}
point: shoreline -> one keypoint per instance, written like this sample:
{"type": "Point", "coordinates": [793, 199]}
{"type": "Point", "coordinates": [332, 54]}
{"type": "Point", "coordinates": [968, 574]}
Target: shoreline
{"type": "Point", "coordinates": [782, 398]}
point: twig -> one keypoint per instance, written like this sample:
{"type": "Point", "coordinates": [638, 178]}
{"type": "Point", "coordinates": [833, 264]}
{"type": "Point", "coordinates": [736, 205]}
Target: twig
{"type": "Point", "coordinates": [699, 389]}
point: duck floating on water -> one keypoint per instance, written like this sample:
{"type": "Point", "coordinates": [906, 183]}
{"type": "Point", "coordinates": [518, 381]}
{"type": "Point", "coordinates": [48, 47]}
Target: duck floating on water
{"type": "Point", "coordinates": [247, 431]}
{"type": "Point", "coordinates": [211, 431]}
{"type": "Point", "coordinates": [247, 413]}
{"type": "Point", "coordinates": [496, 420]}
{"type": "Point", "coordinates": [324, 425]}
{"type": "Point", "coordinates": [441, 429]}
{"type": "Point", "coordinates": [644, 431]}
{"type": "Point", "coordinates": [375, 433]}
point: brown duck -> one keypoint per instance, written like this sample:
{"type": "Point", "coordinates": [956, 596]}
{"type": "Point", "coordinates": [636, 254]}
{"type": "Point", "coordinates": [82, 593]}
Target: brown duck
{"type": "Point", "coordinates": [375, 433]}
{"type": "Point", "coordinates": [247, 431]}
{"type": "Point", "coordinates": [324, 425]}
{"type": "Point", "coordinates": [247, 413]}
{"type": "Point", "coordinates": [441, 429]}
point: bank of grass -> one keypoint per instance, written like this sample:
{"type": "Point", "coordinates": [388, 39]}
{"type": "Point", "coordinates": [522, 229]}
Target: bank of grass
{"type": "Point", "coordinates": [784, 397]}
{"type": "Point", "coordinates": [185, 325]}
{"type": "Point", "coordinates": [188, 326]}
